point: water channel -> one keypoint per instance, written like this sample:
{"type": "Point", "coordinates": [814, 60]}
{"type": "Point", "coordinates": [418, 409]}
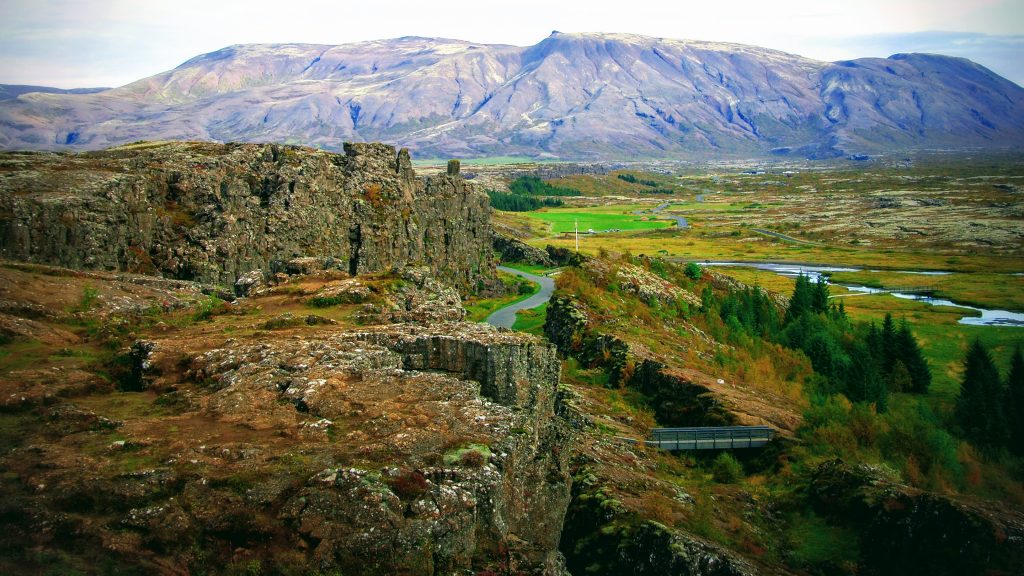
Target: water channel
{"type": "Point", "coordinates": [988, 317]}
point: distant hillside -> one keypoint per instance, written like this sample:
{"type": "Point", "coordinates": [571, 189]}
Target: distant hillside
{"type": "Point", "coordinates": [584, 96]}
{"type": "Point", "coordinates": [11, 91]}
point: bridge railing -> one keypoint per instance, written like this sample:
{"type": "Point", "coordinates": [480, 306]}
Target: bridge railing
{"type": "Point", "coordinates": [711, 438]}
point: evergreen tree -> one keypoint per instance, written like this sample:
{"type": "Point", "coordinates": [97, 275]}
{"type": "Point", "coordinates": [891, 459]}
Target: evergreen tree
{"type": "Point", "coordinates": [900, 380]}
{"type": "Point", "coordinates": [863, 382]}
{"type": "Point", "coordinates": [887, 361]}
{"type": "Point", "coordinates": [908, 352]}
{"type": "Point", "coordinates": [873, 341]}
{"type": "Point", "coordinates": [1014, 402]}
{"type": "Point", "coordinates": [979, 409]}
{"type": "Point", "coordinates": [819, 296]}
{"type": "Point", "coordinates": [800, 302]}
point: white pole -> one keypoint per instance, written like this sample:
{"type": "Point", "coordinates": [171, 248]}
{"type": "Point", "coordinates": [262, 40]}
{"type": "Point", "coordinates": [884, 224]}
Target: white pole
{"type": "Point", "coordinates": [576, 226]}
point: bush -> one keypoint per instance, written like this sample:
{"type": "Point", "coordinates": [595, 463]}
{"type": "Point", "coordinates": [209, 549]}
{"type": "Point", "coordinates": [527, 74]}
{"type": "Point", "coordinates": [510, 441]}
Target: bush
{"type": "Point", "coordinates": [409, 484]}
{"type": "Point", "coordinates": [693, 271]}
{"type": "Point", "coordinates": [87, 300]}
{"type": "Point", "coordinates": [206, 308]}
{"type": "Point", "coordinates": [726, 469]}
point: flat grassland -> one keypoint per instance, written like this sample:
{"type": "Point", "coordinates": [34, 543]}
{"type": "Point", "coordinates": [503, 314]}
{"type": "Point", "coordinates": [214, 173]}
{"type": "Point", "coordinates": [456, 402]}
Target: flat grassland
{"type": "Point", "coordinates": [955, 217]}
{"type": "Point", "coordinates": [597, 218]}
{"type": "Point", "coordinates": [887, 220]}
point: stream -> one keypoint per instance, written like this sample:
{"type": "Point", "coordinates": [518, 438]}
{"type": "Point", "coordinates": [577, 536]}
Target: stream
{"type": "Point", "coordinates": [988, 317]}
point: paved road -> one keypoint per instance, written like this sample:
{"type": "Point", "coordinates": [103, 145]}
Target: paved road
{"type": "Point", "coordinates": [506, 317]}
{"type": "Point", "coordinates": [680, 221]}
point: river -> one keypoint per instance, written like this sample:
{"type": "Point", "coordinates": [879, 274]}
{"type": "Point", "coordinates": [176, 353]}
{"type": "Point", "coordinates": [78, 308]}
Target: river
{"type": "Point", "coordinates": [989, 317]}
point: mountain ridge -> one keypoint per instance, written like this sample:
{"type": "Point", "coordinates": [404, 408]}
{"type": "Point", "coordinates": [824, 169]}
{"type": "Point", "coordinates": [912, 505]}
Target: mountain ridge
{"type": "Point", "coordinates": [570, 96]}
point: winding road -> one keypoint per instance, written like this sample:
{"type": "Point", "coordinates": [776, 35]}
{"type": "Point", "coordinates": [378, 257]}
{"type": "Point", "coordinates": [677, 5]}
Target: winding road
{"type": "Point", "coordinates": [680, 220]}
{"type": "Point", "coordinates": [506, 317]}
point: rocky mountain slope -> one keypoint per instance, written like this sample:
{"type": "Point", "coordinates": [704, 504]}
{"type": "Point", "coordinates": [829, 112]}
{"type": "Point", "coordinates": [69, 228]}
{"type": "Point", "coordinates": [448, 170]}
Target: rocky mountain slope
{"type": "Point", "coordinates": [569, 96]}
{"type": "Point", "coordinates": [214, 213]}
{"type": "Point", "coordinates": [11, 91]}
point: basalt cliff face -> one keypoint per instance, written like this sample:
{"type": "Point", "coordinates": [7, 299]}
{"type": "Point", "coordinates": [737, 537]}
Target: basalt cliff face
{"type": "Point", "coordinates": [212, 213]}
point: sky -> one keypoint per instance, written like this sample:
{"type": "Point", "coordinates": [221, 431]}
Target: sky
{"type": "Point", "coordinates": [87, 43]}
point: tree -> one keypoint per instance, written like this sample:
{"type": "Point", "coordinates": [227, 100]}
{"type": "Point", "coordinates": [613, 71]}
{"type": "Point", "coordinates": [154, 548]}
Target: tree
{"type": "Point", "coordinates": [887, 360]}
{"type": "Point", "coordinates": [726, 469]}
{"type": "Point", "coordinates": [863, 382]}
{"type": "Point", "coordinates": [1014, 402]}
{"type": "Point", "coordinates": [900, 380]}
{"type": "Point", "coordinates": [693, 271]}
{"type": "Point", "coordinates": [819, 296]}
{"type": "Point", "coordinates": [979, 409]}
{"type": "Point", "coordinates": [873, 341]}
{"type": "Point", "coordinates": [908, 352]}
{"type": "Point", "coordinates": [800, 302]}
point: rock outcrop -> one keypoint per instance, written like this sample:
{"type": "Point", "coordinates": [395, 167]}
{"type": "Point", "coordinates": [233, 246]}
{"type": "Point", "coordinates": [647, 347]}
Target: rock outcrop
{"type": "Point", "coordinates": [602, 536]}
{"type": "Point", "coordinates": [214, 213]}
{"type": "Point", "coordinates": [469, 381]}
{"type": "Point", "coordinates": [514, 250]}
{"type": "Point", "coordinates": [904, 531]}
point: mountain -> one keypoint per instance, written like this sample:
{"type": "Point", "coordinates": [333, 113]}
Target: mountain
{"type": "Point", "coordinates": [569, 96]}
{"type": "Point", "coordinates": [11, 91]}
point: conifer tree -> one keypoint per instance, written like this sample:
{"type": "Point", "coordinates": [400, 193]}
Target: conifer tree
{"type": "Point", "coordinates": [1014, 402]}
{"type": "Point", "coordinates": [801, 301]}
{"type": "Point", "coordinates": [979, 408]}
{"type": "Point", "coordinates": [873, 340]}
{"type": "Point", "coordinates": [863, 382]}
{"type": "Point", "coordinates": [900, 380]}
{"type": "Point", "coordinates": [887, 361]}
{"type": "Point", "coordinates": [908, 352]}
{"type": "Point", "coordinates": [819, 296]}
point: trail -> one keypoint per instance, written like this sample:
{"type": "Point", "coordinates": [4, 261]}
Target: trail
{"type": "Point", "coordinates": [506, 317]}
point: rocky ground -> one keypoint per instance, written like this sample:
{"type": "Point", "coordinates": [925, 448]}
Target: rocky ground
{"type": "Point", "coordinates": [324, 423]}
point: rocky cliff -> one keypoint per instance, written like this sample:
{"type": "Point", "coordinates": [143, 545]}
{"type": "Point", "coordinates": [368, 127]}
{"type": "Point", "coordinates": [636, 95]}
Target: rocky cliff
{"type": "Point", "coordinates": [260, 437]}
{"type": "Point", "coordinates": [212, 213]}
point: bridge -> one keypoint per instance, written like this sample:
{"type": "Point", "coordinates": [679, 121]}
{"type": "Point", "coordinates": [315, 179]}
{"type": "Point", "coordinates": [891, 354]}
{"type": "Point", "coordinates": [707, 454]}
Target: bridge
{"type": "Point", "coordinates": [920, 290]}
{"type": "Point", "coordinates": [709, 438]}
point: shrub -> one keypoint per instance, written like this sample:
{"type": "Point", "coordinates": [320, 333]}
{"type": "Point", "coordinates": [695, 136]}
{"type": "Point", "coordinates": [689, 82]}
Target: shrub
{"type": "Point", "coordinates": [409, 484]}
{"type": "Point", "coordinates": [206, 308]}
{"type": "Point", "coordinates": [474, 455]}
{"type": "Point", "coordinates": [88, 299]}
{"type": "Point", "coordinates": [693, 271]}
{"type": "Point", "coordinates": [472, 459]}
{"type": "Point", "coordinates": [726, 469]}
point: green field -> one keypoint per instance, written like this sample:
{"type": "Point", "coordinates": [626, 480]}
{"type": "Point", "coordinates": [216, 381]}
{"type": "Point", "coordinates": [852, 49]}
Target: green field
{"type": "Point", "coordinates": [599, 219]}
